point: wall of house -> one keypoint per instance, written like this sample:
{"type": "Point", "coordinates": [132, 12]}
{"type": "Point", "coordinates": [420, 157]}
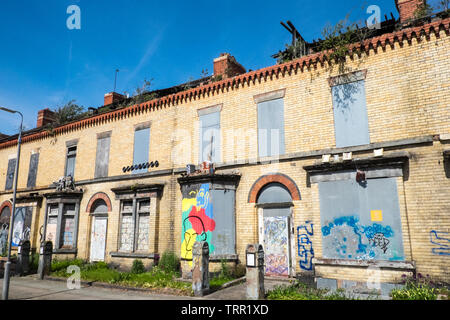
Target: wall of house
{"type": "Point", "coordinates": [407, 97]}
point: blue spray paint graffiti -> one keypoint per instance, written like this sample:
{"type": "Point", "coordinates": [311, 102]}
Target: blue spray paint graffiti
{"type": "Point", "coordinates": [346, 238]}
{"type": "Point", "coordinates": [305, 247]}
{"type": "Point", "coordinates": [442, 240]}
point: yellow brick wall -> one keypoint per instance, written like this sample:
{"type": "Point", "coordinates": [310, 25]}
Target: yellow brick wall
{"type": "Point", "coordinates": [407, 95]}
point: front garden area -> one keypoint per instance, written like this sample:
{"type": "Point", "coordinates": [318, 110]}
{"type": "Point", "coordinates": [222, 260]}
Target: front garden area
{"type": "Point", "coordinates": [164, 277]}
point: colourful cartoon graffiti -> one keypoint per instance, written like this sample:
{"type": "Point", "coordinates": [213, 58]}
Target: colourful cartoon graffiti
{"type": "Point", "coordinates": [197, 219]}
{"type": "Point", "coordinates": [346, 238]}
{"type": "Point", "coordinates": [305, 247]}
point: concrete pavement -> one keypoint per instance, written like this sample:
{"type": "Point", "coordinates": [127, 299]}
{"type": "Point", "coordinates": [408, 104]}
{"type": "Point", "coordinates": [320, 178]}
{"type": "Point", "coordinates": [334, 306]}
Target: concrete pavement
{"type": "Point", "coordinates": [31, 288]}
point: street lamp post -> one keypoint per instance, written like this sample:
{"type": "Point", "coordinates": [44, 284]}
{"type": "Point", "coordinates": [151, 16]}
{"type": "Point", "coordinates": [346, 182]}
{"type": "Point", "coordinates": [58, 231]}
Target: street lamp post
{"type": "Point", "coordinates": [11, 223]}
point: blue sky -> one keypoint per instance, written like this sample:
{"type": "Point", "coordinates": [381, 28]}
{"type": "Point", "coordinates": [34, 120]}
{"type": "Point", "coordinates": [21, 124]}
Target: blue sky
{"type": "Point", "coordinates": [44, 64]}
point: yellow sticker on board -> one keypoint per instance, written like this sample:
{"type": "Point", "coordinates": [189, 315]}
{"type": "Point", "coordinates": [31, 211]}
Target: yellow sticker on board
{"type": "Point", "coordinates": [376, 215]}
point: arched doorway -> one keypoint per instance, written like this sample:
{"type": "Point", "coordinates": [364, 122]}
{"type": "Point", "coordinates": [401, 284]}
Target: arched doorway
{"type": "Point", "coordinates": [274, 203]}
{"type": "Point", "coordinates": [99, 213]}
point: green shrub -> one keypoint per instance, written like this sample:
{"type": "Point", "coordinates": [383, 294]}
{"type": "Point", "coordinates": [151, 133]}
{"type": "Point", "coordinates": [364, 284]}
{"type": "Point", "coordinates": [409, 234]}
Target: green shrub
{"type": "Point", "coordinates": [34, 262]}
{"type": "Point", "coordinates": [414, 291]}
{"type": "Point", "coordinates": [416, 287]}
{"type": "Point", "coordinates": [169, 262]}
{"type": "Point", "coordinates": [137, 267]}
{"type": "Point", "coordinates": [301, 291]}
{"type": "Point", "coordinates": [59, 265]}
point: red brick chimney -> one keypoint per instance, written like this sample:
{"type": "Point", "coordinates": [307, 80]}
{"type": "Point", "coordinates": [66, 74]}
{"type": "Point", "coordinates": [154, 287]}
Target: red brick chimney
{"type": "Point", "coordinates": [406, 8]}
{"type": "Point", "coordinates": [226, 66]}
{"type": "Point", "coordinates": [45, 116]}
{"type": "Point", "coordinates": [113, 97]}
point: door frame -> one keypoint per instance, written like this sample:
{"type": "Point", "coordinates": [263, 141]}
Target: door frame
{"type": "Point", "coordinates": [93, 218]}
{"type": "Point", "coordinates": [291, 236]}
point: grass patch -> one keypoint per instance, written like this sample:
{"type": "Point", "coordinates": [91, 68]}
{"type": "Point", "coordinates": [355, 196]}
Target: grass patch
{"type": "Point", "coordinates": [101, 272]}
{"type": "Point", "coordinates": [301, 291]}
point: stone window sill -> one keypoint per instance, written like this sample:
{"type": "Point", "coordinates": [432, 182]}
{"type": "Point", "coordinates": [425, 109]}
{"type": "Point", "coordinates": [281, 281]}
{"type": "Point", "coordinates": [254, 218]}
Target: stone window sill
{"type": "Point", "coordinates": [134, 255]}
{"type": "Point", "coordinates": [399, 265]}
{"type": "Point", "coordinates": [64, 251]}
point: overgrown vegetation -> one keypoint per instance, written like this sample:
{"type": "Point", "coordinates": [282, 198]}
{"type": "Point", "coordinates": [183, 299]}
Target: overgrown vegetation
{"type": "Point", "coordinates": [169, 262]}
{"type": "Point", "coordinates": [68, 112]}
{"type": "Point", "coordinates": [336, 40]}
{"type": "Point", "coordinates": [137, 267]}
{"type": "Point", "coordinates": [102, 272]}
{"type": "Point", "coordinates": [225, 275]}
{"type": "Point", "coordinates": [301, 291]}
{"type": "Point", "coordinates": [419, 288]}
{"type": "Point", "coordinates": [423, 10]}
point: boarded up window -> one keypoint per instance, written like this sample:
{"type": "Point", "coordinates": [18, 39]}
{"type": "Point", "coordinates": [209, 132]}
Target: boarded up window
{"type": "Point", "coordinates": [22, 225]}
{"type": "Point", "coordinates": [141, 148]}
{"type": "Point", "coordinates": [361, 221]}
{"type": "Point", "coordinates": [350, 114]}
{"type": "Point", "coordinates": [143, 225]}
{"type": "Point", "coordinates": [127, 227]}
{"type": "Point", "coordinates": [52, 222]}
{"type": "Point", "coordinates": [271, 128]}
{"type": "Point", "coordinates": [32, 171]}
{"type": "Point", "coordinates": [274, 193]}
{"type": "Point", "coordinates": [102, 158]}
{"type": "Point", "coordinates": [210, 137]}
{"type": "Point", "coordinates": [68, 226]}
{"type": "Point", "coordinates": [134, 229]}
{"type": "Point", "coordinates": [70, 161]}
{"type": "Point", "coordinates": [10, 174]}
{"type": "Point", "coordinates": [224, 236]}
{"type": "Point", "coordinates": [5, 216]}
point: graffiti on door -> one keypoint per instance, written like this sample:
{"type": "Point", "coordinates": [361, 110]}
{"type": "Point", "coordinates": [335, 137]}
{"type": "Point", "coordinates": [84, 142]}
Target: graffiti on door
{"type": "Point", "coordinates": [276, 245]}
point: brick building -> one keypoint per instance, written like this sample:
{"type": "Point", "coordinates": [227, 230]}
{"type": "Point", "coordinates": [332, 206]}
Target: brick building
{"type": "Point", "coordinates": [342, 176]}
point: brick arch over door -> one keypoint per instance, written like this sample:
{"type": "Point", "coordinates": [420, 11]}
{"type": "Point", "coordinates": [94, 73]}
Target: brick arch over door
{"type": "Point", "coordinates": [6, 204]}
{"type": "Point", "coordinates": [270, 178]}
{"type": "Point", "coordinates": [99, 195]}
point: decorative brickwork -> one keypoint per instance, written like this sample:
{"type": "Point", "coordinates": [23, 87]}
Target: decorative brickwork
{"type": "Point", "coordinates": [99, 195]}
{"type": "Point", "coordinates": [270, 178]}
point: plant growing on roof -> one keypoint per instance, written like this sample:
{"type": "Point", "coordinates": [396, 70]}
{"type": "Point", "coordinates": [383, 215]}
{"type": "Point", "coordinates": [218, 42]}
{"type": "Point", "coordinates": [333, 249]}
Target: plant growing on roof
{"type": "Point", "coordinates": [337, 39]}
{"type": "Point", "coordinates": [424, 10]}
{"type": "Point", "coordinates": [68, 112]}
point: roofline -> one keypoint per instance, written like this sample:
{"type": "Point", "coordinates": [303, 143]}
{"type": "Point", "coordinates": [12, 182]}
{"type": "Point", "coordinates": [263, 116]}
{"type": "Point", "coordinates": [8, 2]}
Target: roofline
{"type": "Point", "coordinates": [306, 61]}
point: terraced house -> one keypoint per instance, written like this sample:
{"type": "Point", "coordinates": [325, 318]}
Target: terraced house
{"type": "Point", "coordinates": [342, 174]}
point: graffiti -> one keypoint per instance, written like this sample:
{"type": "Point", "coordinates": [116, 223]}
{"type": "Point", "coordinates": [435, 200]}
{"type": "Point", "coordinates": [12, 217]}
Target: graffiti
{"type": "Point", "coordinates": [379, 240]}
{"type": "Point", "coordinates": [276, 245]}
{"type": "Point", "coordinates": [197, 219]}
{"type": "Point", "coordinates": [305, 247]}
{"type": "Point", "coordinates": [442, 241]}
{"type": "Point", "coordinates": [276, 264]}
{"type": "Point", "coordinates": [4, 238]}
{"type": "Point", "coordinates": [351, 240]}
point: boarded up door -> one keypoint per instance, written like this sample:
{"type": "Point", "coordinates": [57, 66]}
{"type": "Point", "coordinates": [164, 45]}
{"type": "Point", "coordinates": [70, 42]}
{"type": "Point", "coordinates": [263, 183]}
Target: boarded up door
{"type": "Point", "coordinates": [276, 241]}
{"type": "Point", "coordinates": [98, 238]}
